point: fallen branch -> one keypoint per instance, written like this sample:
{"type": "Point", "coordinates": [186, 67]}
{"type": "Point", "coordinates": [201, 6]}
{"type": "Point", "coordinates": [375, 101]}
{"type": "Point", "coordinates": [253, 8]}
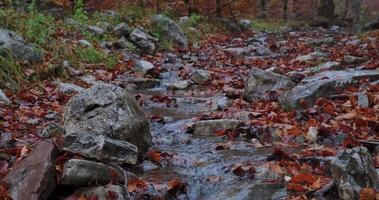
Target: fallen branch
{"type": "Point", "coordinates": [319, 194]}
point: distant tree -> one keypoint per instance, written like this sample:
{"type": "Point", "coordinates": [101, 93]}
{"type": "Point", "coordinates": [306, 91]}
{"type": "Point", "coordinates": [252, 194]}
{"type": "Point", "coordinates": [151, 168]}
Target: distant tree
{"type": "Point", "coordinates": [326, 9]}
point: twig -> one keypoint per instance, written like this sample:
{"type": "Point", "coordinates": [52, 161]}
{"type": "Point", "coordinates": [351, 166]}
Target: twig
{"type": "Point", "coordinates": [321, 192]}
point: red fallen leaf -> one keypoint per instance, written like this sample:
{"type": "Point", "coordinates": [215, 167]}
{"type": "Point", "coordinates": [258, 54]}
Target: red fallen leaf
{"type": "Point", "coordinates": [221, 132]}
{"type": "Point", "coordinates": [112, 195]}
{"type": "Point", "coordinates": [214, 179]}
{"type": "Point", "coordinates": [376, 161]}
{"type": "Point", "coordinates": [4, 193]}
{"type": "Point", "coordinates": [238, 170]}
{"type": "Point", "coordinates": [278, 154]}
{"type": "Point", "coordinates": [303, 178]}
{"type": "Point", "coordinates": [296, 187]}
{"type": "Point", "coordinates": [328, 108]}
{"type": "Point", "coordinates": [367, 194]}
{"type": "Point", "coordinates": [136, 183]}
{"type": "Point", "coordinates": [175, 184]}
{"type": "Point", "coordinates": [4, 166]}
{"type": "Point", "coordinates": [316, 184]}
{"type": "Point", "coordinates": [303, 103]}
{"type": "Point", "coordinates": [154, 156]}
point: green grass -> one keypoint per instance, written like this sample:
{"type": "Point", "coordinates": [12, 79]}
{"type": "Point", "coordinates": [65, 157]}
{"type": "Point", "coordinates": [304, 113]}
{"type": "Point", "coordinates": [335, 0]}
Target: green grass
{"type": "Point", "coordinates": [275, 26]}
{"type": "Point", "coordinates": [11, 72]}
{"type": "Point", "coordinates": [94, 56]}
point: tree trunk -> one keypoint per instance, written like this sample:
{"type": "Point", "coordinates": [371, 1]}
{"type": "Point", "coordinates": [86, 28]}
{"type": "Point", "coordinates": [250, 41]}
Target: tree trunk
{"type": "Point", "coordinates": [327, 9]}
{"type": "Point", "coordinates": [285, 8]}
{"type": "Point", "coordinates": [219, 8]}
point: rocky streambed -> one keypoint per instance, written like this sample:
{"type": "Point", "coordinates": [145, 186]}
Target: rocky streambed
{"type": "Point", "coordinates": [258, 116]}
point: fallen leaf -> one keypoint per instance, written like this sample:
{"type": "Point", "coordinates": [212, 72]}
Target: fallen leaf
{"type": "Point", "coordinates": [367, 194]}
{"type": "Point", "coordinates": [303, 179]}
{"type": "Point", "coordinates": [154, 156]}
{"type": "Point", "coordinates": [136, 183]}
{"type": "Point", "coordinates": [296, 187]}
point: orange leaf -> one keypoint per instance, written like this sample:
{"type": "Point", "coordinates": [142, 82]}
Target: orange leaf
{"type": "Point", "coordinates": [367, 194]}
{"type": "Point", "coordinates": [136, 183]}
{"type": "Point", "coordinates": [174, 184]}
{"type": "Point", "coordinates": [303, 178]}
{"type": "Point", "coordinates": [154, 156]}
{"type": "Point", "coordinates": [296, 187]}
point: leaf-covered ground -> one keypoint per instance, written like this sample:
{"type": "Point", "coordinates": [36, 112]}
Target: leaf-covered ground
{"type": "Point", "coordinates": [295, 146]}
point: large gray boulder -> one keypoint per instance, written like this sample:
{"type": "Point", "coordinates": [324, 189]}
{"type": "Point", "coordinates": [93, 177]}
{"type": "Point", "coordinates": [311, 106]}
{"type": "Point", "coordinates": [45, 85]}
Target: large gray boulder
{"type": "Point", "coordinates": [114, 192]}
{"type": "Point", "coordinates": [121, 30]}
{"type": "Point", "coordinates": [323, 84]}
{"type": "Point", "coordinates": [33, 177]}
{"type": "Point", "coordinates": [353, 170]}
{"type": "Point", "coordinates": [171, 29]}
{"type": "Point", "coordinates": [109, 111]}
{"type": "Point", "coordinates": [260, 82]}
{"type": "Point", "coordinates": [143, 40]}
{"type": "Point", "coordinates": [101, 148]}
{"type": "Point", "coordinates": [11, 43]}
{"type": "Point", "coordinates": [85, 173]}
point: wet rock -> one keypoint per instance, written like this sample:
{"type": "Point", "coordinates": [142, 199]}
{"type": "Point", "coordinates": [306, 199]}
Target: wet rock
{"type": "Point", "coordinates": [121, 29]}
{"type": "Point", "coordinates": [220, 102]}
{"type": "Point", "coordinates": [107, 110]}
{"type": "Point", "coordinates": [104, 25]}
{"type": "Point", "coordinates": [101, 148]}
{"type": "Point", "coordinates": [11, 43]}
{"type": "Point", "coordinates": [353, 170]}
{"type": "Point", "coordinates": [67, 88]}
{"type": "Point", "coordinates": [260, 82]}
{"type": "Point", "coordinates": [371, 26]}
{"type": "Point", "coordinates": [52, 130]}
{"type": "Point", "coordinates": [240, 51]}
{"type": "Point", "coordinates": [85, 173]}
{"type": "Point", "coordinates": [355, 42]}
{"type": "Point", "coordinates": [353, 59]}
{"type": "Point", "coordinates": [335, 28]}
{"type": "Point", "coordinates": [177, 85]}
{"type": "Point", "coordinates": [261, 191]}
{"type": "Point", "coordinates": [85, 43]}
{"type": "Point", "coordinates": [324, 41]}
{"type": "Point", "coordinates": [143, 40]}
{"type": "Point", "coordinates": [246, 23]}
{"type": "Point", "coordinates": [53, 116]}
{"type": "Point", "coordinates": [262, 51]}
{"type": "Point", "coordinates": [4, 99]}
{"type": "Point", "coordinates": [90, 80]}
{"type": "Point", "coordinates": [209, 127]}
{"type": "Point", "coordinates": [171, 29]}
{"type": "Point", "coordinates": [311, 56]}
{"type": "Point", "coordinates": [96, 30]}
{"type": "Point", "coordinates": [200, 76]}
{"type": "Point", "coordinates": [146, 83]}
{"type": "Point", "coordinates": [33, 177]}
{"type": "Point", "coordinates": [143, 66]}
{"type": "Point", "coordinates": [362, 100]}
{"type": "Point", "coordinates": [114, 192]}
{"type": "Point", "coordinates": [106, 45]}
{"type": "Point", "coordinates": [170, 58]}
{"type": "Point", "coordinates": [323, 84]}
{"type": "Point", "coordinates": [330, 65]}
{"type": "Point", "coordinates": [273, 69]}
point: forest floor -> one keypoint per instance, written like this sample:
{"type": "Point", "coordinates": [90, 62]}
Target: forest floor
{"type": "Point", "coordinates": [264, 150]}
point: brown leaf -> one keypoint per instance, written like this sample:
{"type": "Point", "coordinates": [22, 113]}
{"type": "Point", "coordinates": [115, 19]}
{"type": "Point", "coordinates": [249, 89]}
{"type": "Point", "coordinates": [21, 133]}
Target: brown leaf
{"type": "Point", "coordinates": [136, 183]}
{"type": "Point", "coordinates": [367, 194]}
